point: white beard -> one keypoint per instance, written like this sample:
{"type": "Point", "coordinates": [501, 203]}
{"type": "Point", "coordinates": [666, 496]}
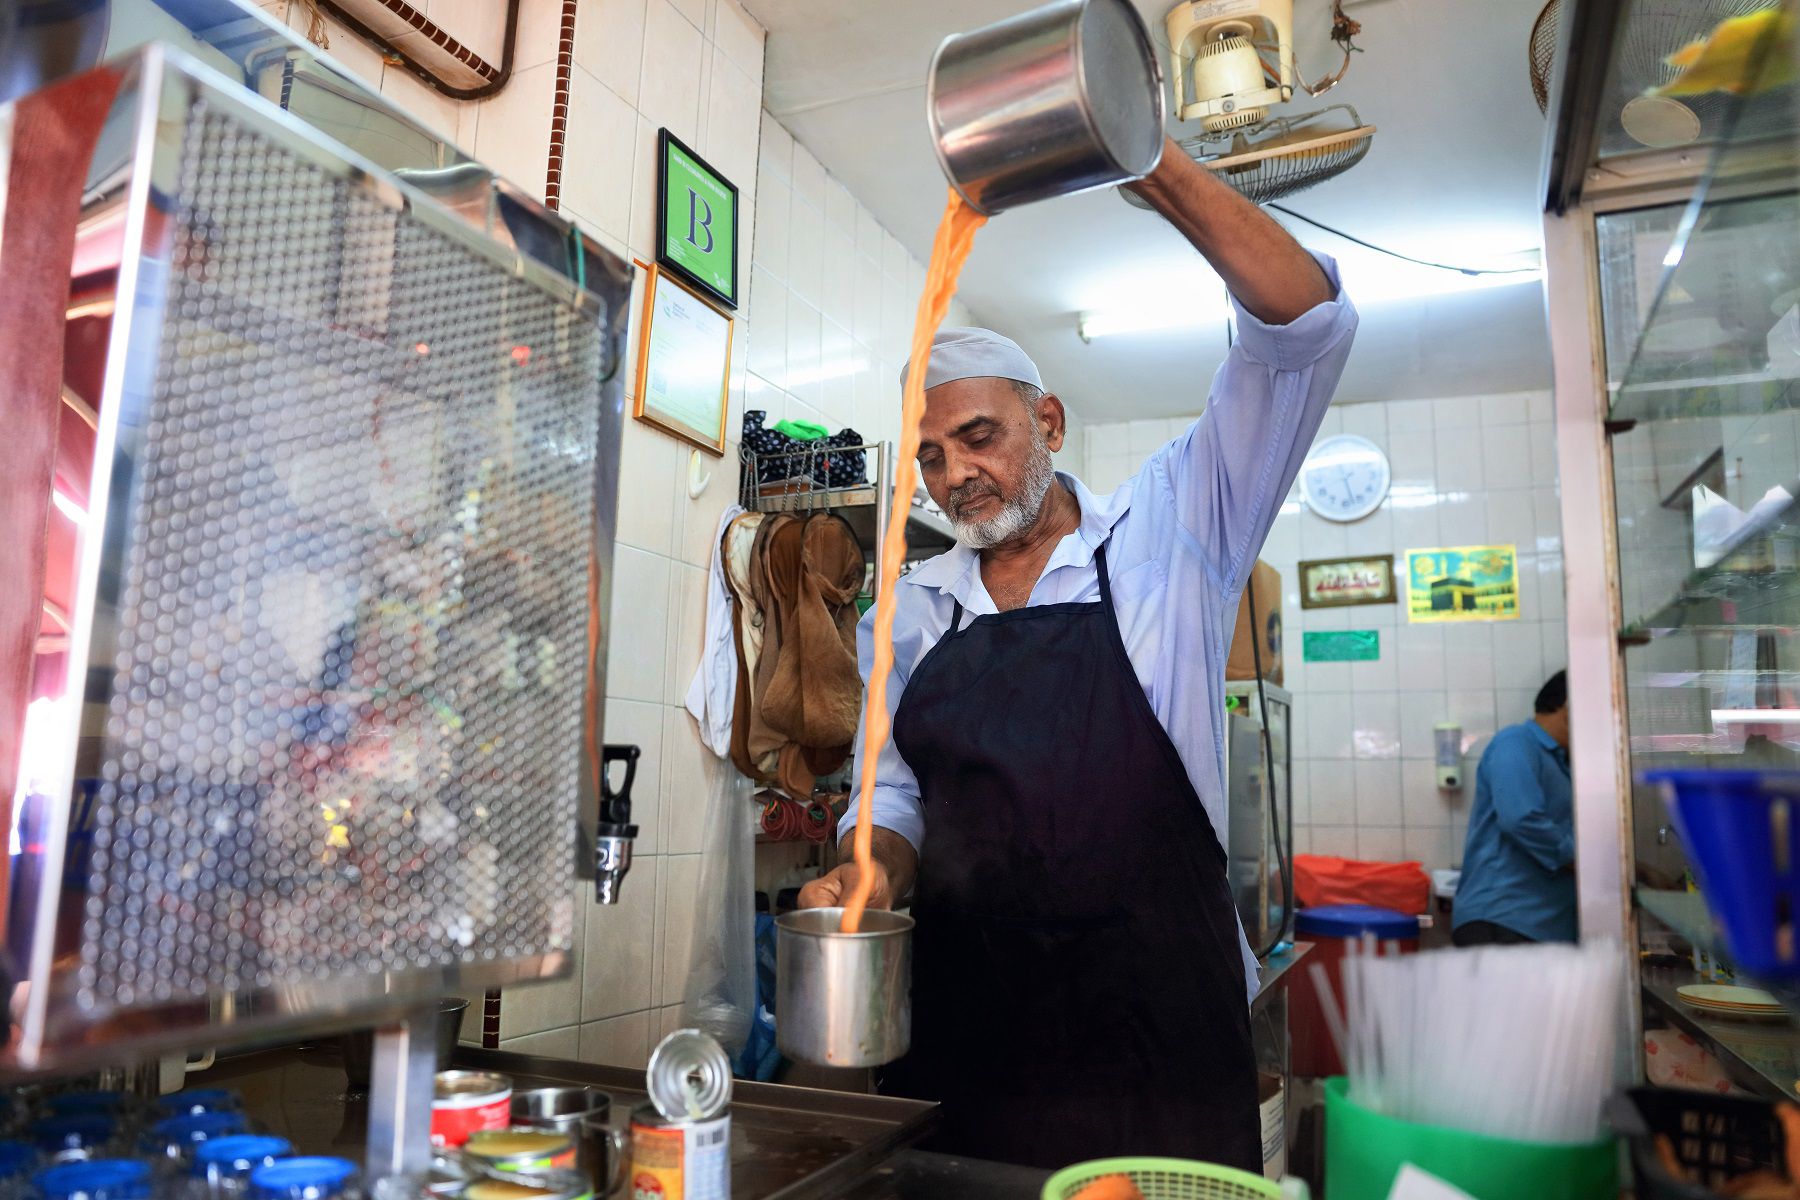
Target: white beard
{"type": "Point", "coordinates": [1015, 515]}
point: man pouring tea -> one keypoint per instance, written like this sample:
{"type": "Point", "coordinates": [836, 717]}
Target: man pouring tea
{"type": "Point", "coordinates": [1052, 802]}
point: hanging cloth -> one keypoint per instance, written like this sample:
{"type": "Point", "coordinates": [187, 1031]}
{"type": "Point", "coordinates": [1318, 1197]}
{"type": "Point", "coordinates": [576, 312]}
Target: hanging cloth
{"type": "Point", "coordinates": [738, 552]}
{"type": "Point", "coordinates": [712, 693]}
{"type": "Point", "coordinates": [806, 694]}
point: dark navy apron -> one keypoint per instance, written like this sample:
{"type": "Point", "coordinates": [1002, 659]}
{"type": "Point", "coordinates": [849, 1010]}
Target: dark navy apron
{"type": "Point", "coordinates": [1078, 990]}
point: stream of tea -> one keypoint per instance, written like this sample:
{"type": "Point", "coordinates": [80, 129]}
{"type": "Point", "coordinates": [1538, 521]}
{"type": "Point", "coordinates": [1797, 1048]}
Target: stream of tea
{"type": "Point", "coordinates": [955, 237]}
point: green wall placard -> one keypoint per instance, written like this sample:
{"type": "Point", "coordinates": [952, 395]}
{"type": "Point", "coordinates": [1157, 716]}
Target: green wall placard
{"type": "Point", "coordinates": [696, 221]}
{"type": "Point", "coordinates": [1341, 645]}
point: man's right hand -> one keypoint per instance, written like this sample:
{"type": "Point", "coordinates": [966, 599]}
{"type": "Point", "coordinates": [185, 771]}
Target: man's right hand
{"type": "Point", "coordinates": [894, 862]}
{"type": "Point", "coordinates": [831, 890]}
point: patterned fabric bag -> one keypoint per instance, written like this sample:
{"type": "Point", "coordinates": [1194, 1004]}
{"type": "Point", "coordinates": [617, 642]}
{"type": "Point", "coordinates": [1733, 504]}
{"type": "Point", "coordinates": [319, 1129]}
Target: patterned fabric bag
{"type": "Point", "coordinates": [778, 456]}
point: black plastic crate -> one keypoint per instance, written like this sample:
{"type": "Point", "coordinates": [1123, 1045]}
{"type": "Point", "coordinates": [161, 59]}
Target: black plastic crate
{"type": "Point", "coordinates": [1716, 1137]}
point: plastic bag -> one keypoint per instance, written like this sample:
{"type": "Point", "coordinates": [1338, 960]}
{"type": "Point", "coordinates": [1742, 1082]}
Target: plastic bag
{"type": "Point", "coordinates": [720, 997]}
{"type": "Point", "coordinates": [759, 1058]}
{"type": "Point", "coordinates": [1320, 880]}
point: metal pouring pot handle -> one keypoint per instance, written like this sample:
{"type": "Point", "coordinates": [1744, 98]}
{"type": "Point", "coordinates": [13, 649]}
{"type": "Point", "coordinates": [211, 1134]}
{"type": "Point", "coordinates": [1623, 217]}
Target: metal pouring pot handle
{"type": "Point", "coordinates": [1061, 99]}
{"type": "Point", "coordinates": [621, 1159]}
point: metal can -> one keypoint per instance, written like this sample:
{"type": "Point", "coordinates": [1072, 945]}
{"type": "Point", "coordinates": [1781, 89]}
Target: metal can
{"type": "Point", "coordinates": [467, 1101]}
{"type": "Point", "coordinates": [544, 1185]}
{"type": "Point", "coordinates": [519, 1149]}
{"type": "Point", "coordinates": [679, 1160]}
{"type": "Point", "coordinates": [689, 1078]}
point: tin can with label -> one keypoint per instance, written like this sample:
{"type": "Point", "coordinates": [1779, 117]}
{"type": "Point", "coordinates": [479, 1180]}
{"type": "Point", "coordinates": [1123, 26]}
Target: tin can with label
{"type": "Point", "coordinates": [468, 1101]}
{"type": "Point", "coordinates": [679, 1160]}
{"type": "Point", "coordinates": [529, 1150]}
{"type": "Point", "coordinates": [681, 1140]}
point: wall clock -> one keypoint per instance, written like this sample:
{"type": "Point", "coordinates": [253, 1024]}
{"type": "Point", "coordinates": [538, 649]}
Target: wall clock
{"type": "Point", "coordinates": [1345, 477]}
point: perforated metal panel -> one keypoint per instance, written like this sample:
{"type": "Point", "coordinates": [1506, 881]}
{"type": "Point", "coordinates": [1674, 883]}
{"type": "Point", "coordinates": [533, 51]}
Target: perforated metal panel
{"type": "Point", "coordinates": [353, 624]}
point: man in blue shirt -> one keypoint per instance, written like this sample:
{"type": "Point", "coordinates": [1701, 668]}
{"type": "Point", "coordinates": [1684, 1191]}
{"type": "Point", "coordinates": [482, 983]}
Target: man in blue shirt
{"type": "Point", "coordinates": [1518, 877]}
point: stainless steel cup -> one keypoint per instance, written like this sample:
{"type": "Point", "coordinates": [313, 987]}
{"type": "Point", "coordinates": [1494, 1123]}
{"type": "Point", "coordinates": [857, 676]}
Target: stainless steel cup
{"type": "Point", "coordinates": [583, 1115]}
{"type": "Point", "coordinates": [841, 999]}
{"type": "Point", "coordinates": [1057, 100]}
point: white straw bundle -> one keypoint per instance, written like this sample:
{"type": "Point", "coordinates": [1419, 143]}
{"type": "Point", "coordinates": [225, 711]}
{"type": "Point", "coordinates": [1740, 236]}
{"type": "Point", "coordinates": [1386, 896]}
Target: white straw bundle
{"type": "Point", "coordinates": [1509, 1041]}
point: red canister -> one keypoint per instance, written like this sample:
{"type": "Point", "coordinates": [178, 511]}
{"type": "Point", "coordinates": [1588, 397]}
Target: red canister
{"type": "Point", "coordinates": [467, 1102]}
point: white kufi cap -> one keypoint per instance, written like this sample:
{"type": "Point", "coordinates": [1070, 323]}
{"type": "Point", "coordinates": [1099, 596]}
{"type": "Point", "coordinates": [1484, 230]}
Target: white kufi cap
{"type": "Point", "coordinates": [967, 353]}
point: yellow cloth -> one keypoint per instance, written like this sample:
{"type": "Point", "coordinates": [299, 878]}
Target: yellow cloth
{"type": "Point", "coordinates": [1744, 55]}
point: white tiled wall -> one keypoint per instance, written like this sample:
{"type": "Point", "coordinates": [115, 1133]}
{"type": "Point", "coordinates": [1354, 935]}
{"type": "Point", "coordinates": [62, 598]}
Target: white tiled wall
{"type": "Point", "coordinates": [1467, 471]}
{"type": "Point", "coordinates": [834, 295]}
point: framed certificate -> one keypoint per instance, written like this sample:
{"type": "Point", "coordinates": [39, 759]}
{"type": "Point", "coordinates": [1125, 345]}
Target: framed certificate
{"type": "Point", "coordinates": [684, 362]}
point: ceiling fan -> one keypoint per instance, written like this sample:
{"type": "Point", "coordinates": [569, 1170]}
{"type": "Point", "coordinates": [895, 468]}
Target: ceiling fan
{"type": "Point", "coordinates": [1234, 63]}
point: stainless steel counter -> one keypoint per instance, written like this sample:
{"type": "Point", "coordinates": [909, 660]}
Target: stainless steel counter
{"type": "Point", "coordinates": [920, 1175]}
{"type": "Point", "coordinates": [787, 1143]}
{"type": "Point", "coordinates": [1275, 969]}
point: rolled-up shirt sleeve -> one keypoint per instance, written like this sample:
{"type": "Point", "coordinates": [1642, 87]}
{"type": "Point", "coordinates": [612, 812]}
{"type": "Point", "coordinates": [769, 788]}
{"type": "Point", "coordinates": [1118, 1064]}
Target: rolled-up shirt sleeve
{"type": "Point", "coordinates": [1232, 469]}
{"type": "Point", "coordinates": [896, 800]}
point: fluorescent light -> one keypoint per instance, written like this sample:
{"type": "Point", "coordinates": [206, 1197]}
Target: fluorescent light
{"type": "Point", "coordinates": [1756, 716]}
{"type": "Point", "coordinates": [1443, 283]}
{"type": "Point", "coordinates": [1371, 280]}
{"type": "Point", "coordinates": [1150, 318]}
{"type": "Point", "coordinates": [1138, 305]}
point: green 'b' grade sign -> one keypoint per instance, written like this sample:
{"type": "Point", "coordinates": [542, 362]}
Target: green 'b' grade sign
{"type": "Point", "coordinates": [697, 221]}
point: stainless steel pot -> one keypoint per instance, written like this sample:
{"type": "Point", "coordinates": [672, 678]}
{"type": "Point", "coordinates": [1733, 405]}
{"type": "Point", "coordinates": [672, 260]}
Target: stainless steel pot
{"type": "Point", "coordinates": [841, 999]}
{"type": "Point", "coordinates": [583, 1115]}
{"type": "Point", "coordinates": [1057, 100]}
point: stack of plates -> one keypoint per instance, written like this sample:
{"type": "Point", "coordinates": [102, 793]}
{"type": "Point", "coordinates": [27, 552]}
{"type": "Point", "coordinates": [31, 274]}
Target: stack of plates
{"type": "Point", "coordinates": [1727, 1001]}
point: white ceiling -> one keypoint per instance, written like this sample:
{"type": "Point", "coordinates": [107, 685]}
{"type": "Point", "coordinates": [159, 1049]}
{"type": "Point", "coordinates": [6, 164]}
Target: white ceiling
{"type": "Point", "coordinates": [1451, 176]}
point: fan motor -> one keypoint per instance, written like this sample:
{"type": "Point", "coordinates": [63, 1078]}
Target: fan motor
{"type": "Point", "coordinates": [1224, 68]}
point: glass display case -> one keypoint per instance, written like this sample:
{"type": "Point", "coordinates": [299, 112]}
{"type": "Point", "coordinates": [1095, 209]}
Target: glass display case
{"type": "Point", "coordinates": [1674, 280]}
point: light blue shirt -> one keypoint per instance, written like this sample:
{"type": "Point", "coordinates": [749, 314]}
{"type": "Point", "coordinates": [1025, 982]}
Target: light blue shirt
{"type": "Point", "coordinates": [1519, 858]}
{"type": "Point", "coordinates": [1184, 533]}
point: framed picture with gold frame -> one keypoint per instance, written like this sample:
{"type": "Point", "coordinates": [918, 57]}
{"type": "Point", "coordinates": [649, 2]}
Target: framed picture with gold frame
{"type": "Point", "coordinates": [683, 362]}
{"type": "Point", "coordinates": [1341, 582]}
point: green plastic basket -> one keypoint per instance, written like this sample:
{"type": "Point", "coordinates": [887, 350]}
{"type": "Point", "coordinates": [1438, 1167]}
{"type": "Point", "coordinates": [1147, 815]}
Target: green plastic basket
{"type": "Point", "coordinates": [1365, 1150]}
{"type": "Point", "coordinates": [1165, 1179]}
